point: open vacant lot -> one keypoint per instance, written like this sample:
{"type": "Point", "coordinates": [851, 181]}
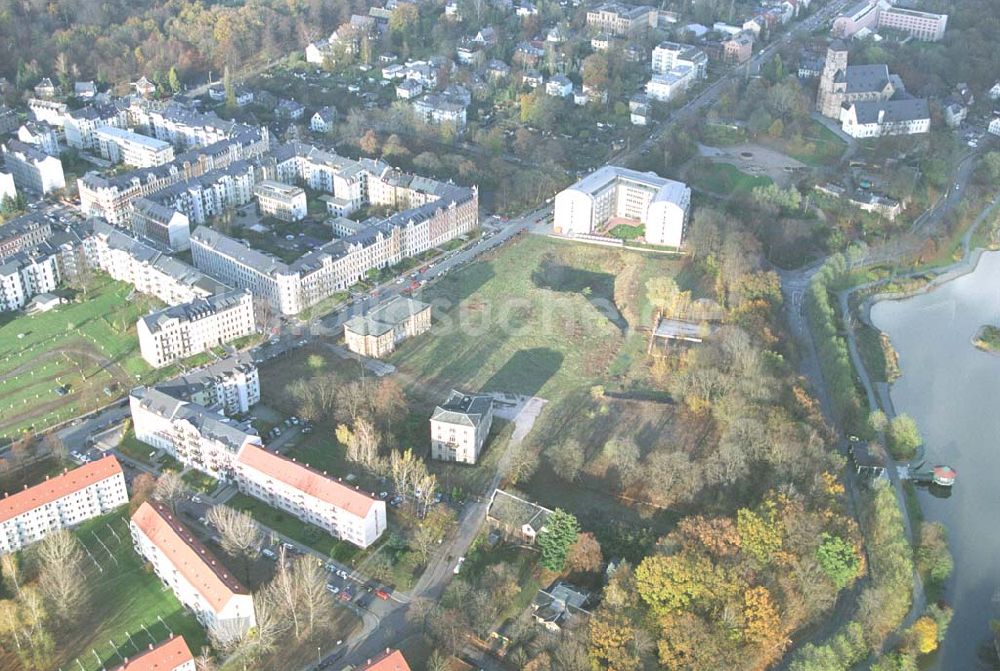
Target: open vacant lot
{"type": "Point", "coordinates": [57, 365]}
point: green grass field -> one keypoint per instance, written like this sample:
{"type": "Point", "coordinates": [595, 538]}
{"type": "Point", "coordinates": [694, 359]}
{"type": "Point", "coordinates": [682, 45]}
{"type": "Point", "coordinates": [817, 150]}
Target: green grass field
{"type": "Point", "coordinates": [86, 347]}
{"type": "Point", "coordinates": [724, 179]}
{"type": "Point", "coordinates": [125, 597]}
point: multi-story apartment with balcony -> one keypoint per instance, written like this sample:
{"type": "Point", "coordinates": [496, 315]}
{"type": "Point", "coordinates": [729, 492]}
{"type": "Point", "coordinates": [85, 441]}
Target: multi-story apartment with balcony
{"type": "Point", "coordinates": [191, 433]}
{"type": "Point", "coordinates": [60, 502]}
{"type": "Point", "coordinates": [192, 328]}
{"type": "Point", "coordinates": [342, 511]}
{"type": "Point", "coordinates": [667, 55]}
{"type": "Point", "coordinates": [26, 274]}
{"type": "Point", "coordinates": [151, 272]}
{"type": "Point", "coordinates": [110, 198]}
{"type": "Point", "coordinates": [279, 200]}
{"type": "Point", "coordinates": [198, 580]}
{"type": "Point", "coordinates": [119, 145]}
{"type": "Point", "coordinates": [662, 205]}
{"type": "Point", "coordinates": [172, 654]}
{"type": "Point", "coordinates": [183, 127]}
{"type": "Point", "coordinates": [208, 195]}
{"type": "Point", "coordinates": [459, 428]}
{"type": "Point", "coordinates": [32, 169]}
{"type": "Point", "coordinates": [81, 125]}
{"type": "Point", "coordinates": [22, 233]}
{"type": "Point", "coordinates": [230, 386]}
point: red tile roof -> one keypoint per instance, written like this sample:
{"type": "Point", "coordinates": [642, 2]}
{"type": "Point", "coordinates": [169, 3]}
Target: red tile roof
{"type": "Point", "coordinates": [56, 488]}
{"type": "Point", "coordinates": [166, 656]}
{"type": "Point", "coordinates": [187, 555]}
{"type": "Point", "coordinates": [307, 480]}
{"type": "Point", "coordinates": [392, 660]}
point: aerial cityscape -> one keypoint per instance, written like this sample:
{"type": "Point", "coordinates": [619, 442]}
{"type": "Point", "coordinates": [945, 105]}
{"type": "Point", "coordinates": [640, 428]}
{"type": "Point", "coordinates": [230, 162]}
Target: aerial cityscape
{"type": "Point", "coordinates": [499, 335]}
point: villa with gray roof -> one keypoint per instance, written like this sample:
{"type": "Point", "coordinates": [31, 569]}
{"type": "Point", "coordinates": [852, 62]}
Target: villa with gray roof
{"type": "Point", "coordinates": [192, 328]}
{"type": "Point", "coordinates": [377, 333]}
{"type": "Point", "coordinates": [191, 433]}
{"type": "Point", "coordinates": [517, 519]}
{"type": "Point", "coordinates": [460, 426]}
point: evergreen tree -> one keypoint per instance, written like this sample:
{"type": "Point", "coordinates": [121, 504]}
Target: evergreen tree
{"type": "Point", "coordinates": [555, 540]}
{"type": "Point", "coordinates": [173, 80]}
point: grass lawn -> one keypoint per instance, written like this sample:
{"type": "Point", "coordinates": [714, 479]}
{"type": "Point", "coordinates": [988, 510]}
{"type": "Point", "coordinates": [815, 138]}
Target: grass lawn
{"type": "Point", "coordinates": [723, 178]}
{"type": "Point", "coordinates": [819, 146]}
{"type": "Point", "coordinates": [87, 347]}
{"type": "Point", "coordinates": [626, 232]}
{"type": "Point", "coordinates": [125, 598]}
{"type": "Point", "coordinates": [523, 561]}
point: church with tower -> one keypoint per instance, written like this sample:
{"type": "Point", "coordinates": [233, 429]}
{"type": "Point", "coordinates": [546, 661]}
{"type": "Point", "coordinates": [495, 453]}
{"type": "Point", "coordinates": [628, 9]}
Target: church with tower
{"type": "Point", "coordinates": [867, 100]}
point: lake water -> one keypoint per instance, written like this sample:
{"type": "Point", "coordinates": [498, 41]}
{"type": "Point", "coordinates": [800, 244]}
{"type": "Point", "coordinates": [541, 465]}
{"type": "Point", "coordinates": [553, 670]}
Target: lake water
{"type": "Point", "coordinates": [952, 390]}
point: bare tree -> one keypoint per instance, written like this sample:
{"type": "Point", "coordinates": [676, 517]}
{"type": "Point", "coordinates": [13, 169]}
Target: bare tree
{"type": "Point", "coordinates": [205, 661]}
{"type": "Point", "coordinates": [61, 577]}
{"type": "Point", "coordinates": [362, 447]}
{"type": "Point", "coordinates": [313, 599]}
{"type": "Point", "coordinates": [355, 399]}
{"type": "Point", "coordinates": [170, 489]}
{"type": "Point", "coordinates": [239, 533]}
{"type": "Point", "coordinates": [55, 445]}
{"type": "Point", "coordinates": [143, 487]}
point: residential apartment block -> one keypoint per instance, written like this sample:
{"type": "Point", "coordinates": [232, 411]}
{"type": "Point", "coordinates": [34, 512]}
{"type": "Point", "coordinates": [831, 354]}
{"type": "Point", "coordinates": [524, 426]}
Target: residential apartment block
{"type": "Point", "coordinates": [431, 213]}
{"type": "Point", "coordinates": [110, 198]}
{"type": "Point", "coordinates": [22, 233]}
{"type": "Point", "coordinates": [32, 169]}
{"type": "Point", "coordinates": [230, 386]}
{"type": "Point", "coordinates": [667, 85]}
{"type": "Point", "coordinates": [198, 580]}
{"type": "Point", "coordinates": [60, 502]}
{"type": "Point", "coordinates": [192, 328]}
{"type": "Point", "coordinates": [172, 654]}
{"type": "Point", "coordinates": [191, 433]}
{"type": "Point", "coordinates": [663, 205]}
{"type": "Point", "coordinates": [282, 201]}
{"type": "Point", "coordinates": [41, 136]}
{"type": "Point", "coordinates": [127, 260]}
{"type": "Point", "coordinates": [340, 510]}
{"type": "Point", "coordinates": [377, 333]}
{"type": "Point", "coordinates": [200, 197]}
{"type": "Point", "coordinates": [119, 145]}
{"type": "Point", "coordinates": [7, 187]}
{"type": "Point", "coordinates": [460, 426]}
{"type": "Point", "coordinates": [81, 125]}
{"type": "Point", "coordinates": [667, 55]}
{"type": "Point", "coordinates": [161, 224]}
{"type": "Point", "coordinates": [621, 20]}
{"type": "Point", "coordinates": [27, 274]}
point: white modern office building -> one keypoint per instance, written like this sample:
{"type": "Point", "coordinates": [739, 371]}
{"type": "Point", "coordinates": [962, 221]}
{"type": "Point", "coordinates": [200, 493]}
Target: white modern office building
{"type": "Point", "coordinates": [611, 192]}
{"type": "Point", "coordinates": [341, 510]}
{"type": "Point", "coordinates": [192, 328]}
{"type": "Point", "coordinates": [198, 580]}
{"type": "Point", "coordinates": [60, 502]}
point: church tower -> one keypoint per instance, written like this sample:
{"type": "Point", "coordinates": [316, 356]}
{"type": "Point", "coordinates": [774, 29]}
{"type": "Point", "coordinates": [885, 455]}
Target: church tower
{"type": "Point", "coordinates": [832, 83]}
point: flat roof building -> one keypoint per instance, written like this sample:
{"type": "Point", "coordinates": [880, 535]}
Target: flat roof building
{"type": "Point", "coordinates": [119, 145]}
{"type": "Point", "coordinates": [662, 205]}
{"type": "Point", "coordinates": [282, 201]}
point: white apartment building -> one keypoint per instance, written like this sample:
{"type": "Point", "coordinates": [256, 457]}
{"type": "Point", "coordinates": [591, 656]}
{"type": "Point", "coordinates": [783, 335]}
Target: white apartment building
{"type": "Point", "coordinates": [119, 145]}
{"type": "Point", "coordinates": [194, 435]}
{"type": "Point", "coordinates": [663, 205]}
{"type": "Point", "coordinates": [49, 111]}
{"type": "Point", "coordinates": [230, 386]}
{"type": "Point", "coordinates": [281, 201]}
{"type": "Point", "coordinates": [192, 328]}
{"type": "Point", "coordinates": [40, 135]}
{"type": "Point", "coordinates": [437, 109]}
{"type": "Point", "coordinates": [180, 126]}
{"type": "Point", "coordinates": [172, 654]}
{"type": "Point", "coordinates": [127, 260]}
{"type": "Point", "coordinates": [162, 224]}
{"type": "Point", "coordinates": [198, 580]}
{"type": "Point", "coordinates": [343, 512]}
{"type": "Point", "coordinates": [666, 86]}
{"type": "Point", "coordinates": [60, 502]}
{"type": "Point", "coordinates": [208, 195]}
{"type": "Point", "coordinates": [7, 187]}
{"type": "Point", "coordinates": [32, 169]}
{"type": "Point", "coordinates": [667, 55]}
{"type": "Point", "coordinates": [81, 125]}
{"type": "Point", "coordinates": [459, 428]}
{"type": "Point", "coordinates": [26, 274]}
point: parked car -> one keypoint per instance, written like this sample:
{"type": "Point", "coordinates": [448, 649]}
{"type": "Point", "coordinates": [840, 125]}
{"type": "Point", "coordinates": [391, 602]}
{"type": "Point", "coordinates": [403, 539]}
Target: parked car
{"type": "Point", "coordinates": [382, 594]}
{"type": "Point", "coordinates": [346, 595]}
{"type": "Point", "coordinates": [332, 589]}
{"type": "Point", "coordinates": [269, 553]}
{"type": "Point", "coordinates": [458, 566]}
